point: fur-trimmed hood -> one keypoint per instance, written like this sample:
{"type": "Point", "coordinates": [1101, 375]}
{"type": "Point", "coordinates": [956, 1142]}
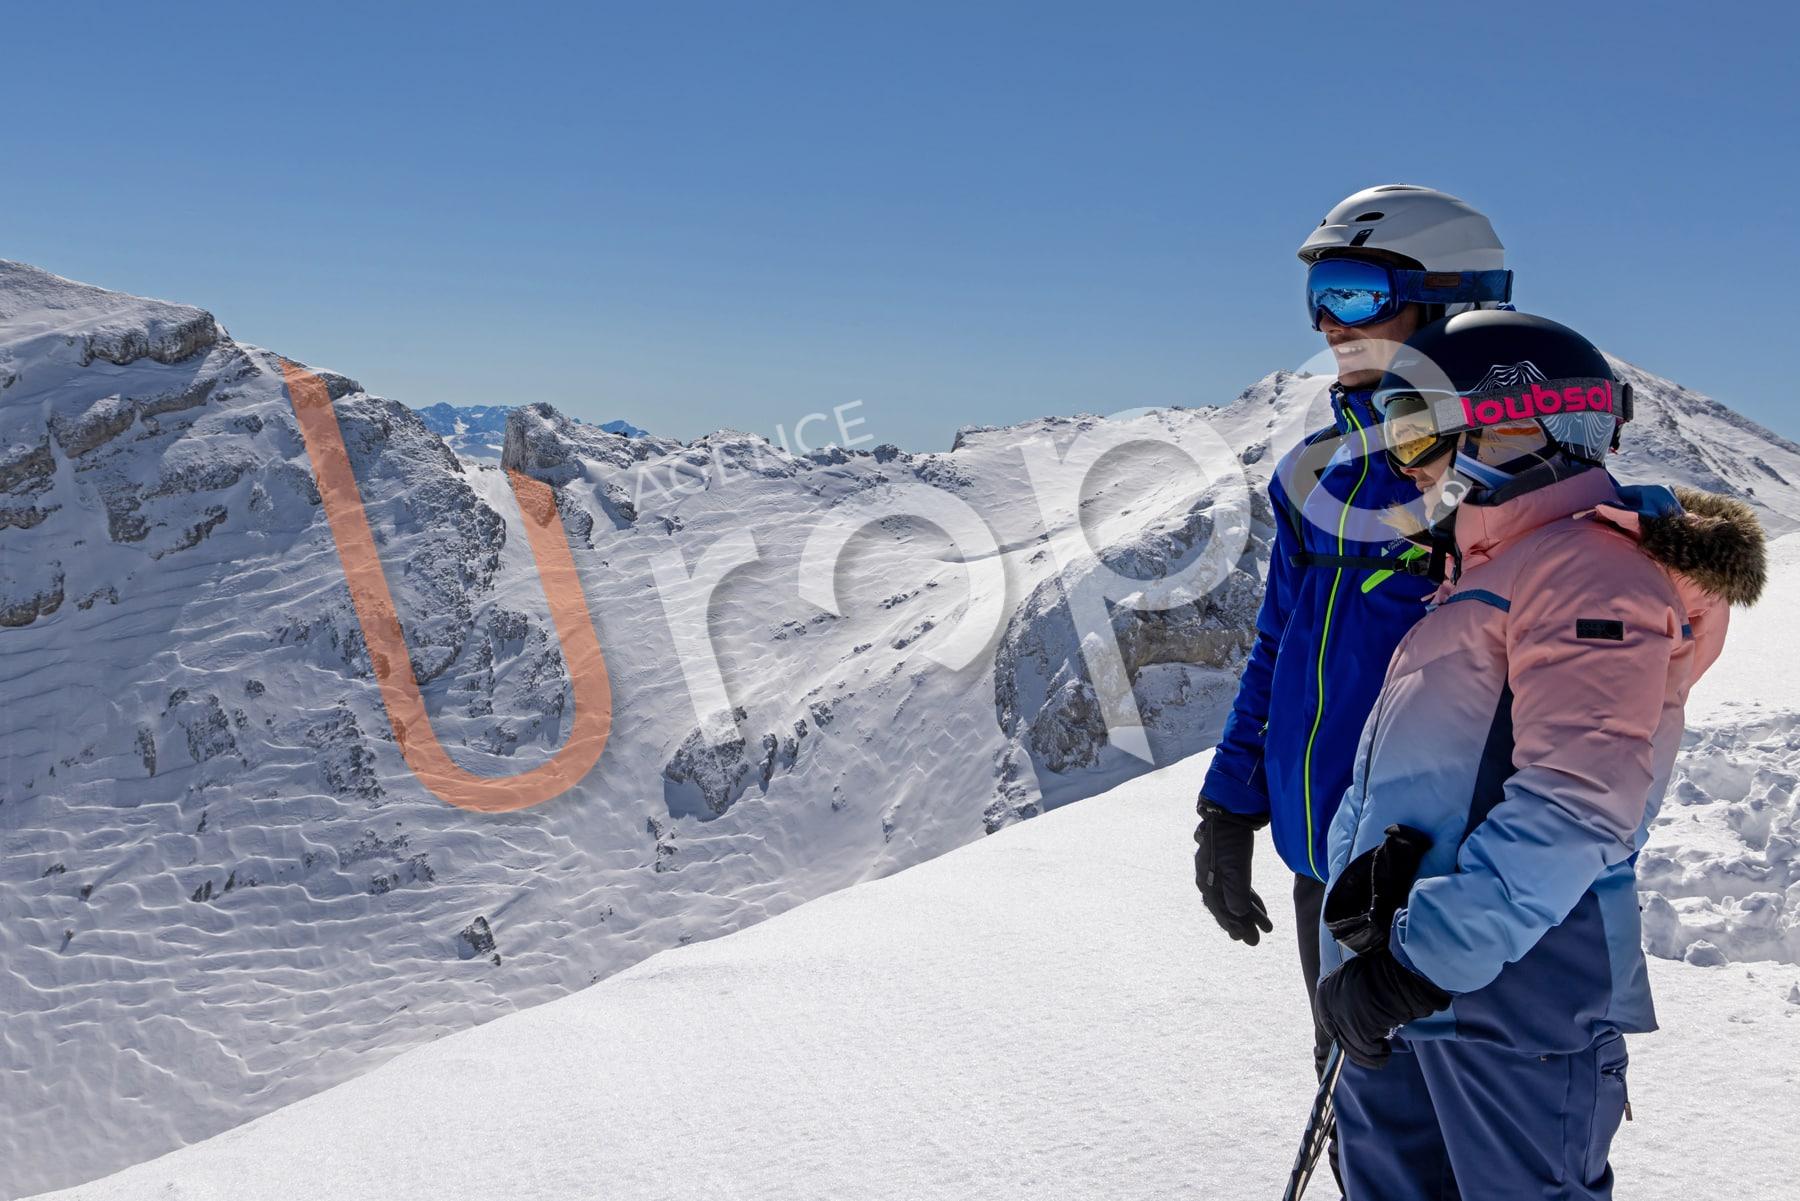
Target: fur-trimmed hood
{"type": "Point", "coordinates": [1715, 541]}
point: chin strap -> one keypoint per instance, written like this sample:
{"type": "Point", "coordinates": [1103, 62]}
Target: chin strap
{"type": "Point", "coordinates": [1439, 538]}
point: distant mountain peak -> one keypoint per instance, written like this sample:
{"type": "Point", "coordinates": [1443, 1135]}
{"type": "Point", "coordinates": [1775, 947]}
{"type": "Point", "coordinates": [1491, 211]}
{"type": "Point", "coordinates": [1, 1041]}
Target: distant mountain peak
{"type": "Point", "coordinates": [478, 432]}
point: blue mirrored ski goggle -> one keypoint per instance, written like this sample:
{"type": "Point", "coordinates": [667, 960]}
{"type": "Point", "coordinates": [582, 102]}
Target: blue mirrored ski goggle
{"type": "Point", "coordinates": [1357, 292]}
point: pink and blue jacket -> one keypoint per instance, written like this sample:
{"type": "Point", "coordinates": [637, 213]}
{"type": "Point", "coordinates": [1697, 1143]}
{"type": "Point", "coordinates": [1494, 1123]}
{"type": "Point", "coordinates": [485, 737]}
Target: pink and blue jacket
{"type": "Point", "coordinates": [1529, 723]}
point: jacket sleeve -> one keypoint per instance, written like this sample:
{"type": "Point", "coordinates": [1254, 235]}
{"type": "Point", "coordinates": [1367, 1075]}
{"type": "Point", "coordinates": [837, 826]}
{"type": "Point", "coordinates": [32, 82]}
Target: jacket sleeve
{"type": "Point", "coordinates": [1585, 711]}
{"type": "Point", "coordinates": [1235, 780]}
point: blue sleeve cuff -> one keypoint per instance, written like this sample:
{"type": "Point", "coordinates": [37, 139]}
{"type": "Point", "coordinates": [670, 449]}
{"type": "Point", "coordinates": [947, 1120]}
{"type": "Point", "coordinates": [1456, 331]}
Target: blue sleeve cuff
{"type": "Point", "coordinates": [1397, 948]}
{"type": "Point", "coordinates": [1233, 794]}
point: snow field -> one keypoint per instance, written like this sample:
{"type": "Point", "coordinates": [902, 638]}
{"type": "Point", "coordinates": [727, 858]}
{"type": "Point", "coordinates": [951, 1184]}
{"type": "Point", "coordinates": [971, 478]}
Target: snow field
{"type": "Point", "coordinates": [1047, 1013]}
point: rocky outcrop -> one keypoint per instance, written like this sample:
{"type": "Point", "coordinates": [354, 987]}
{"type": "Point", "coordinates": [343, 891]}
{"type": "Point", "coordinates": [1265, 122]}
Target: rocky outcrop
{"type": "Point", "coordinates": [551, 447]}
{"type": "Point", "coordinates": [94, 426]}
{"type": "Point", "coordinates": [477, 939]}
{"type": "Point", "coordinates": [345, 757]}
{"type": "Point", "coordinates": [478, 432]}
{"type": "Point", "coordinates": [26, 472]}
{"type": "Point", "coordinates": [29, 591]}
{"type": "Point", "coordinates": [705, 778]}
{"type": "Point", "coordinates": [1042, 694]}
{"type": "Point", "coordinates": [166, 340]}
{"type": "Point", "coordinates": [203, 723]}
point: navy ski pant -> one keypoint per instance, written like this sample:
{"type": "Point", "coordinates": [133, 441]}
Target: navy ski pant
{"type": "Point", "coordinates": [1446, 1120]}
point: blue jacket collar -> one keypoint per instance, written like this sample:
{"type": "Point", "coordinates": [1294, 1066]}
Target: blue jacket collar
{"type": "Point", "coordinates": [1352, 407]}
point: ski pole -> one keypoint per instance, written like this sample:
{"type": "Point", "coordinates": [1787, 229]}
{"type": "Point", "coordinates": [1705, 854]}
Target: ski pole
{"type": "Point", "coordinates": [1319, 1126]}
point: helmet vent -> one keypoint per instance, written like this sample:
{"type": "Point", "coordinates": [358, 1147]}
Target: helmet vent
{"type": "Point", "coordinates": [1398, 187]}
{"type": "Point", "coordinates": [1372, 216]}
{"type": "Point", "coordinates": [1362, 235]}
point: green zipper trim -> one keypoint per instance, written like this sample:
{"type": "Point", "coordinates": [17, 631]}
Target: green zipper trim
{"type": "Point", "coordinates": [1374, 581]}
{"type": "Point", "coordinates": [1325, 637]}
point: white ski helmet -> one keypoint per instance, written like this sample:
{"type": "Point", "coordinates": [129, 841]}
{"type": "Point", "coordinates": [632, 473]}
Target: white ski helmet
{"type": "Point", "coordinates": [1434, 229]}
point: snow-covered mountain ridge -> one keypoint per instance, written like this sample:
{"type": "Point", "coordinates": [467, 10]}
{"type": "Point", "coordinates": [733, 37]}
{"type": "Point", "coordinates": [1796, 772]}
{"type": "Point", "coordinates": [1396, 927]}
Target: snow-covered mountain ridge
{"type": "Point", "coordinates": [223, 889]}
{"type": "Point", "coordinates": [479, 431]}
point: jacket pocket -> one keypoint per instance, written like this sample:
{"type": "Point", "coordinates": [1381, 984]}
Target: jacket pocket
{"type": "Point", "coordinates": [1612, 1103]}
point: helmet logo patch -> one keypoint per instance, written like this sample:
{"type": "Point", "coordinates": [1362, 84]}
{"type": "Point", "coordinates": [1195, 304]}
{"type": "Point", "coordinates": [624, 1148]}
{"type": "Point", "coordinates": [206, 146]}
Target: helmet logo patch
{"type": "Point", "coordinates": [1500, 378]}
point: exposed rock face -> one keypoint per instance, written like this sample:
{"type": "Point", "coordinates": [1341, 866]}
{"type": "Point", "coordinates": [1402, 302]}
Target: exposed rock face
{"type": "Point", "coordinates": [703, 779]}
{"type": "Point", "coordinates": [714, 774]}
{"type": "Point", "coordinates": [548, 446]}
{"type": "Point", "coordinates": [170, 340]}
{"type": "Point", "coordinates": [25, 473]}
{"type": "Point", "coordinates": [1042, 693]}
{"type": "Point", "coordinates": [477, 938]}
{"type": "Point", "coordinates": [29, 591]}
{"type": "Point", "coordinates": [202, 720]}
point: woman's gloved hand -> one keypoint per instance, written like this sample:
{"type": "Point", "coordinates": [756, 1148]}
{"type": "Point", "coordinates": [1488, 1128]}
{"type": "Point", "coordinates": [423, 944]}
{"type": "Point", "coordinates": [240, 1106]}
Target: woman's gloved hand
{"type": "Point", "coordinates": [1365, 1000]}
{"type": "Point", "coordinates": [1226, 841]}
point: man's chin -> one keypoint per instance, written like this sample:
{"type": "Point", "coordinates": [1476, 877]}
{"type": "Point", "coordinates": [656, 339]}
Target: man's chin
{"type": "Point", "coordinates": [1360, 378]}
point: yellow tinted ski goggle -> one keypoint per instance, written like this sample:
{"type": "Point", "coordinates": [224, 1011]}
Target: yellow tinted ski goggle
{"type": "Point", "coordinates": [1418, 426]}
{"type": "Point", "coordinates": [1413, 428]}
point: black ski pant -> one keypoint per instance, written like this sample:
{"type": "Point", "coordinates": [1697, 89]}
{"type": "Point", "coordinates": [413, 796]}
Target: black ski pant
{"type": "Point", "coordinates": [1309, 899]}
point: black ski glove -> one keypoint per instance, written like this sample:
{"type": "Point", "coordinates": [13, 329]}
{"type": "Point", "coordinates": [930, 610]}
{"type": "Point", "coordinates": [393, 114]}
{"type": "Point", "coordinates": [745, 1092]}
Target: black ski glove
{"type": "Point", "coordinates": [1222, 871]}
{"type": "Point", "coordinates": [1373, 887]}
{"type": "Point", "coordinates": [1361, 1003]}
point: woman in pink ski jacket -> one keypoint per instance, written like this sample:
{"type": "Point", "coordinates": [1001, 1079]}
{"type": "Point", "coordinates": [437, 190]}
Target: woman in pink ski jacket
{"type": "Point", "coordinates": [1482, 895]}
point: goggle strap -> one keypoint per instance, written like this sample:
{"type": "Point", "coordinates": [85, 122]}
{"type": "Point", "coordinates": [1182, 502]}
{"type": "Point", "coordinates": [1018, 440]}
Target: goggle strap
{"type": "Point", "coordinates": [1453, 287]}
{"type": "Point", "coordinates": [1453, 412]}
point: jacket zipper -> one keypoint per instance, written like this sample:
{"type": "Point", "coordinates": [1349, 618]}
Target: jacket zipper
{"type": "Point", "coordinates": [1325, 638]}
{"type": "Point", "coordinates": [1381, 703]}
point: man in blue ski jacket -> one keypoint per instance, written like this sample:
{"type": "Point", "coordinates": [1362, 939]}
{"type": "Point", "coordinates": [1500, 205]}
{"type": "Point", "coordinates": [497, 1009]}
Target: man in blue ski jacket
{"type": "Point", "coordinates": [1343, 583]}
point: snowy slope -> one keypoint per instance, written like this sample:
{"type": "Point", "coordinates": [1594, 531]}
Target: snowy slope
{"type": "Point", "coordinates": [1046, 1014]}
{"type": "Point", "coordinates": [223, 890]}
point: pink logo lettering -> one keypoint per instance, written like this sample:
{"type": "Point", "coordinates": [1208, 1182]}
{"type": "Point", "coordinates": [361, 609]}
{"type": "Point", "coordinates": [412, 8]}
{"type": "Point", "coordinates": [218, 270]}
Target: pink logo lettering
{"type": "Point", "coordinates": [1539, 402]}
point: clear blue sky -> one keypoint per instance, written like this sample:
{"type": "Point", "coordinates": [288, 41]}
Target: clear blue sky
{"type": "Point", "coordinates": [697, 215]}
